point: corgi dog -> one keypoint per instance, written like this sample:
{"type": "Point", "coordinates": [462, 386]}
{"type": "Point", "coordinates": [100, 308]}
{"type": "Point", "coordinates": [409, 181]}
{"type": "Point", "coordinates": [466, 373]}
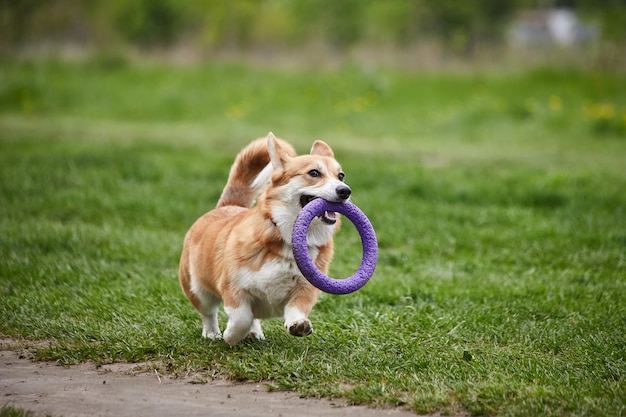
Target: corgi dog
{"type": "Point", "coordinates": [240, 253]}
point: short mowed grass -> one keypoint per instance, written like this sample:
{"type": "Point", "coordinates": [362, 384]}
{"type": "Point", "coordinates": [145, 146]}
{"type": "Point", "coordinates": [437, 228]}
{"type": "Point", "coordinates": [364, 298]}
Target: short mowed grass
{"type": "Point", "coordinates": [499, 202]}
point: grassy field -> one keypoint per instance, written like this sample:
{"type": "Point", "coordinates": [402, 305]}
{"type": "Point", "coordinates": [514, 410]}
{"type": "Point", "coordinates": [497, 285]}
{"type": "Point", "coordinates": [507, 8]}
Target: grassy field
{"type": "Point", "coordinates": [499, 201]}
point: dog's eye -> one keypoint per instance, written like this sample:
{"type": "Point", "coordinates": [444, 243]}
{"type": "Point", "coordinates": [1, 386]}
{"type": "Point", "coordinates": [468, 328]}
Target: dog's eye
{"type": "Point", "coordinates": [341, 176]}
{"type": "Point", "coordinates": [315, 173]}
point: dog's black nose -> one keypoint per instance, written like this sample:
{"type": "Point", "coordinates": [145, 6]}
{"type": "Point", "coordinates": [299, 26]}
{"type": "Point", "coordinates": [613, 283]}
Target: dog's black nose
{"type": "Point", "coordinates": [343, 192]}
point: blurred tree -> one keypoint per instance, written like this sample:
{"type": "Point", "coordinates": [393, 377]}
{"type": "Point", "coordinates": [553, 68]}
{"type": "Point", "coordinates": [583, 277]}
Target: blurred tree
{"type": "Point", "coordinates": [611, 14]}
{"type": "Point", "coordinates": [461, 25]}
{"type": "Point", "coordinates": [31, 21]}
{"type": "Point", "coordinates": [15, 18]}
{"type": "Point", "coordinates": [398, 21]}
{"type": "Point", "coordinates": [229, 23]}
{"type": "Point", "coordinates": [339, 23]}
{"type": "Point", "coordinates": [238, 24]}
{"type": "Point", "coordinates": [148, 22]}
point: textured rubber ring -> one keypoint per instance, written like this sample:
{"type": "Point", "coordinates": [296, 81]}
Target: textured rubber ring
{"type": "Point", "coordinates": [303, 258]}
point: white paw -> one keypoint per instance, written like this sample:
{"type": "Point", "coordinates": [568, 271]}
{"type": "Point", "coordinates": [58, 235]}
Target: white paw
{"type": "Point", "coordinates": [300, 328]}
{"type": "Point", "coordinates": [211, 335]}
{"type": "Point", "coordinates": [256, 331]}
{"type": "Point", "coordinates": [257, 336]}
{"type": "Point", "coordinates": [231, 338]}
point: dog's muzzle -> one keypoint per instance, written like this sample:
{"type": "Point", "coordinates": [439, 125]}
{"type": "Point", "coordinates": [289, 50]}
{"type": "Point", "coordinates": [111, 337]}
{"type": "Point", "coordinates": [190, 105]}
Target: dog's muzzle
{"type": "Point", "coordinates": [343, 193]}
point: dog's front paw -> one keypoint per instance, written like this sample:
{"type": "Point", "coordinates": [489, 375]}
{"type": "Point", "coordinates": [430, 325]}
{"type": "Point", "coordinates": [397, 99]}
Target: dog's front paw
{"type": "Point", "coordinates": [300, 328]}
{"type": "Point", "coordinates": [256, 330]}
{"type": "Point", "coordinates": [211, 335]}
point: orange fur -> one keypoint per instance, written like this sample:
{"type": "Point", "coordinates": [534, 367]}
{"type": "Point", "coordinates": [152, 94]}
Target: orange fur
{"type": "Point", "coordinates": [240, 253]}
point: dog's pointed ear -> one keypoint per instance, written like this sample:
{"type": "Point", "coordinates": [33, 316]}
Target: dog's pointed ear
{"type": "Point", "coordinates": [278, 156]}
{"type": "Point", "coordinates": [321, 148]}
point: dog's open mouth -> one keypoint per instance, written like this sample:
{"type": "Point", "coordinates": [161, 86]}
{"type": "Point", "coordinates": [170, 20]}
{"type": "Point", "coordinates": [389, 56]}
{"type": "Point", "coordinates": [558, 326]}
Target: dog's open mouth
{"type": "Point", "coordinates": [328, 217]}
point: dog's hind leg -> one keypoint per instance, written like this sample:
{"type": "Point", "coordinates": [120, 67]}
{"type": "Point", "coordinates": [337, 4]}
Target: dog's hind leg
{"type": "Point", "coordinates": [208, 310]}
{"type": "Point", "coordinates": [210, 327]}
{"type": "Point", "coordinates": [256, 331]}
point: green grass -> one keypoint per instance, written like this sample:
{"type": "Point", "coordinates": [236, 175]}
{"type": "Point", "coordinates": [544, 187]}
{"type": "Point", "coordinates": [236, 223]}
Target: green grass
{"type": "Point", "coordinates": [8, 411]}
{"type": "Point", "coordinates": [499, 202]}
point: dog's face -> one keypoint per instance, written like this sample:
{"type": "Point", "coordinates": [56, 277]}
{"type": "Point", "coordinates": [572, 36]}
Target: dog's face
{"type": "Point", "coordinates": [321, 177]}
{"type": "Point", "coordinates": [298, 180]}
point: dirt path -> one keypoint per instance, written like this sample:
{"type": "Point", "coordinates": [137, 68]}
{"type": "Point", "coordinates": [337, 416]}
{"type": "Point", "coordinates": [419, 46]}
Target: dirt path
{"type": "Point", "coordinates": [115, 390]}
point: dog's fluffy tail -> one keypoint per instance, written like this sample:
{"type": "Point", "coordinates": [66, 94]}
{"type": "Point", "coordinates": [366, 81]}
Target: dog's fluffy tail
{"type": "Point", "coordinates": [250, 173]}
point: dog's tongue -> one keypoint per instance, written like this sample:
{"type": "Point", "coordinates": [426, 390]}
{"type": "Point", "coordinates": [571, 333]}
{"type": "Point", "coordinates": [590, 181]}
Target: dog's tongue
{"type": "Point", "coordinates": [330, 215]}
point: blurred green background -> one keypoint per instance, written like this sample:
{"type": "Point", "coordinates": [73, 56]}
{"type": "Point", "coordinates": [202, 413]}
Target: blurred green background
{"type": "Point", "coordinates": [485, 140]}
{"type": "Point", "coordinates": [499, 202]}
{"type": "Point", "coordinates": [410, 32]}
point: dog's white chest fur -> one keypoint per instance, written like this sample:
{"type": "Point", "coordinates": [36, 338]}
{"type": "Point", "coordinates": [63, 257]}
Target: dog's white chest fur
{"type": "Point", "coordinates": [271, 287]}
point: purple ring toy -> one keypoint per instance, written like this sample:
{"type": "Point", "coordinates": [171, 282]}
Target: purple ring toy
{"type": "Point", "coordinates": [303, 258]}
